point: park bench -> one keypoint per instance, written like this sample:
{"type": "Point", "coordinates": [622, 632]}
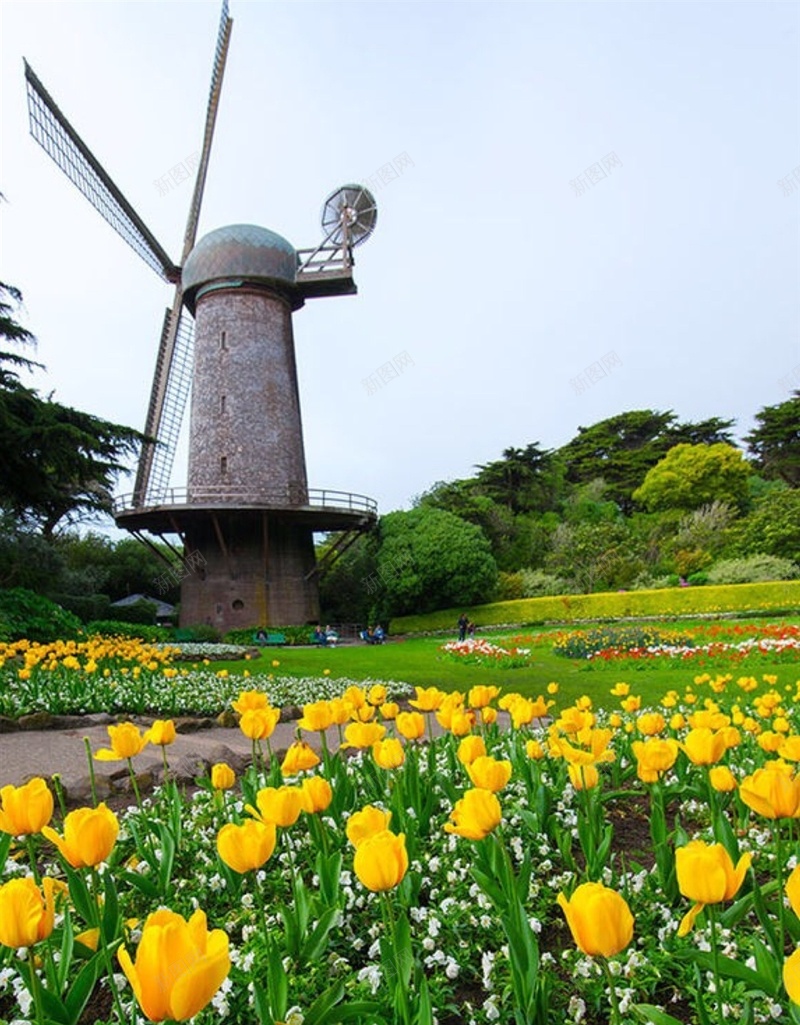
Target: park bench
{"type": "Point", "coordinates": [271, 638]}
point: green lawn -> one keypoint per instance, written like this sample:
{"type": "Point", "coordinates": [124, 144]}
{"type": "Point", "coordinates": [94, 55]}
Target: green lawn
{"type": "Point", "coordinates": [419, 660]}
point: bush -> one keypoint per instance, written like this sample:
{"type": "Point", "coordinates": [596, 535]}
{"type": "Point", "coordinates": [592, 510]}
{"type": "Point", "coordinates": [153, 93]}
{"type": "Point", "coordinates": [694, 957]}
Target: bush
{"type": "Point", "coordinates": [199, 633]}
{"type": "Point", "coordinates": [25, 614]}
{"type": "Point", "coordinates": [142, 611]}
{"type": "Point", "coordinates": [294, 635]}
{"type": "Point", "coordinates": [536, 583]}
{"type": "Point", "coordinates": [86, 607]}
{"type": "Point", "coordinates": [770, 598]}
{"type": "Point", "coordinates": [697, 579]}
{"type": "Point", "coordinates": [753, 569]}
{"type": "Point", "coordinates": [509, 586]}
{"type": "Point", "coordinates": [117, 628]}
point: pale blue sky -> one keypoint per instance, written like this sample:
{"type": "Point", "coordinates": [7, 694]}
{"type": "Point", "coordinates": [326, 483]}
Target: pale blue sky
{"type": "Point", "coordinates": [498, 281]}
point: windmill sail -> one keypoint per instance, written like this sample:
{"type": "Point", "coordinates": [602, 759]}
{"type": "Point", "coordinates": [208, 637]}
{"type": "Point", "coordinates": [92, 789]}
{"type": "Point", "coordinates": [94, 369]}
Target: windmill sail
{"type": "Point", "coordinates": [61, 142]}
{"type": "Point", "coordinates": [172, 378]}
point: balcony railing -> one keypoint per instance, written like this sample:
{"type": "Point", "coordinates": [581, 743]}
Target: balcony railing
{"type": "Point", "coordinates": [293, 497]}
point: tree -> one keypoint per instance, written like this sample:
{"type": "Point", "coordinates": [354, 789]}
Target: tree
{"type": "Point", "coordinates": [525, 480]}
{"type": "Point", "coordinates": [772, 528]}
{"type": "Point", "coordinates": [706, 432]}
{"type": "Point", "coordinates": [620, 450]}
{"type": "Point", "coordinates": [56, 463]}
{"type": "Point", "coordinates": [429, 559]}
{"type": "Point", "coordinates": [775, 443]}
{"type": "Point", "coordinates": [693, 475]}
{"type": "Point", "coordinates": [594, 555]}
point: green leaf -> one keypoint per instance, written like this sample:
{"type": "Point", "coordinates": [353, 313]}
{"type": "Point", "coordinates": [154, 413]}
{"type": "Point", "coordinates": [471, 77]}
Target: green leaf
{"type": "Point", "coordinates": [54, 1008]}
{"type": "Point", "coordinates": [277, 982]}
{"type": "Point", "coordinates": [320, 1011]}
{"type": "Point", "coordinates": [142, 883]}
{"type": "Point", "coordinates": [81, 989]}
{"type": "Point", "coordinates": [424, 1014]}
{"type": "Point", "coordinates": [316, 942]}
{"type": "Point", "coordinates": [730, 969]}
{"type": "Point", "coordinates": [261, 1003]}
{"type": "Point", "coordinates": [110, 921]}
{"type": "Point", "coordinates": [167, 860]}
{"type": "Point", "coordinates": [651, 1015]}
{"type": "Point", "coordinates": [81, 898]}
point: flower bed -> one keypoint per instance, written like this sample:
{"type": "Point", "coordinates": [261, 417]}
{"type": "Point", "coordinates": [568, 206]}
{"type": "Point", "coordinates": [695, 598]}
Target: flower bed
{"type": "Point", "coordinates": [637, 866]}
{"type": "Point", "coordinates": [480, 652]}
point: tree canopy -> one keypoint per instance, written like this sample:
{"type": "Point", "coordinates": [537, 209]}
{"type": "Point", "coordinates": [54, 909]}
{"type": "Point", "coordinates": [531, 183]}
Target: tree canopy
{"type": "Point", "coordinates": [690, 476]}
{"type": "Point", "coordinates": [56, 463]}
{"type": "Point", "coordinates": [774, 444]}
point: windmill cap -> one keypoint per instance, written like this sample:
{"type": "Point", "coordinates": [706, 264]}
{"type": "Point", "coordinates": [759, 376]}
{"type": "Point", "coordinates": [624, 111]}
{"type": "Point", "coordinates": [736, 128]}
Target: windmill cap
{"type": "Point", "coordinates": [243, 251]}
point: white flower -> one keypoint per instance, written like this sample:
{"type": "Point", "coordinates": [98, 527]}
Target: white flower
{"type": "Point", "coordinates": [372, 975]}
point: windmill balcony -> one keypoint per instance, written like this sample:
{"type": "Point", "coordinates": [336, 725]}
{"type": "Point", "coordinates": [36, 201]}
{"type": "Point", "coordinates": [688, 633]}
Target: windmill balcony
{"type": "Point", "coordinates": [321, 508]}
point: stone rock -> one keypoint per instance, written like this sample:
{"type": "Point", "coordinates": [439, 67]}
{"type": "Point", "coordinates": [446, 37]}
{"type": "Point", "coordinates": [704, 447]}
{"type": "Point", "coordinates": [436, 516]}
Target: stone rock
{"type": "Point", "coordinates": [35, 721]}
{"type": "Point", "coordinates": [187, 768]}
{"type": "Point", "coordinates": [189, 724]}
{"type": "Point", "coordinates": [222, 753]}
{"type": "Point", "coordinates": [228, 718]}
{"type": "Point", "coordinates": [78, 792]}
{"type": "Point", "coordinates": [8, 725]}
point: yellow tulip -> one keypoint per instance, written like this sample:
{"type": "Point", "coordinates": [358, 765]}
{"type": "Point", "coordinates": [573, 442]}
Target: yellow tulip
{"type": "Point", "coordinates": [791, 976]}
{"type": "Point", "coordinates": [376, 695]}
{"type": "Point", "coordinates": [25, 810]}
{"type": "Point", "coordinates": [340, 711]}
{"type": "Point", "coordinates": [366, 823]}
{"type": "Point", "coordinates": [772, 792]}
{"type": "Point", "coordinates": [249, 700]}
{"type": "Point", "coordinates": [280, 806]}
{"type": "Point", "coordinates": [126, 742]}
{"type": "Point", "coordinates": [650, 724]}
{"type": "Point", "coordinates": [317, 716]}
{"type": "Point", "coordinates": [246, 847]}
{"type": "Point", "coordinates": [790, 748]}
{"type": "Point", "coordinates": [355, 697]}
{"type": "Point", "coordinates": [481, 695]}
{"type": "Point", "coordinates": [89, 836]}
{"type": "Point", "coordinates": [222, 776]}
{"type": "Point", "coordinates": [428, 699]}
{"type": "Point", "coordinates": [381, 861]}
{"type": "Point", "coordinates": [475, 815]}
{"type": "Point", "coordinates": [706, 875]}
{"type": "Point", "coordinates": [471, 748]}
{"type": "Point", "coordinates": [488, 715]}
{"type": "Point", "coordinates": [703, 746]}
{"type": "Point", "coordinates": [534, 750]}
{"type": "Point", "coordinates": [317, 794]}
{"type": "Point", "coordinates": [489, 773]}
{"type": "Point", "coordinates": [722, 779]}
{"type": "Point", "coordinates": [793, 889]}
{"type": "Point", "coordinates": [389, 710]}
{"type": "Point", "coordinates": [179, 965]}
{"type": "Point", "coordinates": [299, 757]}
{"type": "Point", "coordinates": [363, 734]}
{"type": "Point", "coordinates": [411, 725]}
{"type": "Point", "coordinates": [26, 914]}
{"type": "Point", "coordinates": [389, 753]}
{"type": "Point", "coordinates": [583, 777]}
{"type": "Point", "coordinates": [161, 733]}
{"type": "Point", "coordinates": [259, 723]}
{"type": "Point", "coordinates": [653, 757]}
{"type": "Point", "coordinates": [599, 919]}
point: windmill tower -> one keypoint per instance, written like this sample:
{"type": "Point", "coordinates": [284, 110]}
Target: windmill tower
{"type": "Point", "coordinates": [247, 517]}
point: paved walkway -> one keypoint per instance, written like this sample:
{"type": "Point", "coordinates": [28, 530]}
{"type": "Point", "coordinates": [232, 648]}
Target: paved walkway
{"type": "Point", "coordinates": [45, 752]}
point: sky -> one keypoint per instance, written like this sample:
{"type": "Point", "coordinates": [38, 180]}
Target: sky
{"type": "Point", "coordinates": [583, 208]}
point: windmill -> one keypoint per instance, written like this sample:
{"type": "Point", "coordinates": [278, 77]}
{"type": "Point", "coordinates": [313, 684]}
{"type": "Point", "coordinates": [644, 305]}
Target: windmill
{"type": "Point", "coordinates": [247, 517]}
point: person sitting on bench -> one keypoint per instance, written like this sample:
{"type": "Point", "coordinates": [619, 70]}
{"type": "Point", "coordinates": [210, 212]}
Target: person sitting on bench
{"type": "Point", "coordinates": [319, 637]}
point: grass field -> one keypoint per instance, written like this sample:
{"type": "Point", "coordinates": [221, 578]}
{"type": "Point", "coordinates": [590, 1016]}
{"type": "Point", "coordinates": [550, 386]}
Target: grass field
{"type": "Point", "coordinates": [420, 661]}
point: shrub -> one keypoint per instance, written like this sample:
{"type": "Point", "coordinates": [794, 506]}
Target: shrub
{"type": "Point", "coordinates": [535, 583]}
{"type": "Point", "coordinates": [294, 635]}
{"type": "Point", "coordinates": [25, 614]}
{"type": "Point", "coordinates": [199, 633]}
{"type": "Point", "coordinates": [773, 597]}
{"type": "Point", "coordinates": [86, 606]}
{"type": "Point", "coordinates": [118, 628]}
{"type": "Point", "coordinates": [509, 586]}
{"type": "Point", "coordinates": [142, 611]}
{"type": "Point", "coordinates": [697, 579]}
{"type": "Point", "coordinates": [753, 569]}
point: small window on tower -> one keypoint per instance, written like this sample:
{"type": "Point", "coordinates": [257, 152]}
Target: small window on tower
{"type": "Point", "coordinates": [223, 340]}
{"type": "Point", "coordinates": [223, 464]}
{"type": "Point", "coordinates": [222, 404]}
{"type": "Point", "coordinates": [237, 604]}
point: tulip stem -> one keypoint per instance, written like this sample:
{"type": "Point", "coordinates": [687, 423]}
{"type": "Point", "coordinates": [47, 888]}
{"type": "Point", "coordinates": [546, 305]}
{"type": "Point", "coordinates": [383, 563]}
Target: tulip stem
{"type": "Point", "coordinates": [32, 858]}
{"type": "Point", "coordinates": [616, 1014]}
{"type": "Point", "coordinates": [103, 944]}
{"type": "Point", "coordinates": [781, 908]}
{"type": "Point", "coordinates": [392, 930]}
{"type": "Point", "coordinates": [712, 921]}
{"type": "Point", "coordinates": [34, 985]}
{"type": "Point", "coordinates": [92, 782]}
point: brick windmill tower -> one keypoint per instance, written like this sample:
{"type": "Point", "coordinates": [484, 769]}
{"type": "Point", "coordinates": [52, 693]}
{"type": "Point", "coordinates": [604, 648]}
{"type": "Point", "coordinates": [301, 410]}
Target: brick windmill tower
{"type": "Point", "coordinates": [247, 517]}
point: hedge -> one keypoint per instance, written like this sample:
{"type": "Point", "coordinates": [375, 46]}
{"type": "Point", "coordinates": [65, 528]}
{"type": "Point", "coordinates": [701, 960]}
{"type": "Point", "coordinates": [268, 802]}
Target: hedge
{"type": "Point", "coordinates": [770, 598]}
